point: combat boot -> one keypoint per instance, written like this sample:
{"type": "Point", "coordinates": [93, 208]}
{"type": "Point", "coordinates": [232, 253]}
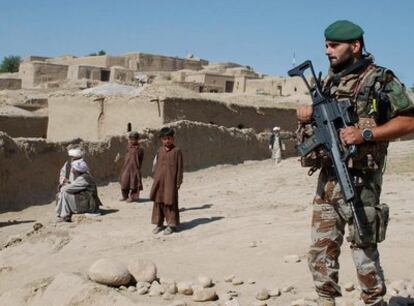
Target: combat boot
{"type": "Point", "coordinates": [324, 301]}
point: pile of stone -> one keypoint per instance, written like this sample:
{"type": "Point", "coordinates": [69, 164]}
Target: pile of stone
{"type": "Point", "coordinates": [140, 276]}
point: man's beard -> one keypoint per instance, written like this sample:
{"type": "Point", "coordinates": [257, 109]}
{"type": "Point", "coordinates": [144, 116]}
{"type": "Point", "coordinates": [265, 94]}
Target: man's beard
{"type": "Point", "coordinates": [343, 64]}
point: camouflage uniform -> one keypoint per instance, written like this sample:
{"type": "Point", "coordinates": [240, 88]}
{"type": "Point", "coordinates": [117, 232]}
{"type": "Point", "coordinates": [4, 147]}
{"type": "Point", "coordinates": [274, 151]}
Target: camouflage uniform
{"type": "Point", "coordinates": [367, 88]}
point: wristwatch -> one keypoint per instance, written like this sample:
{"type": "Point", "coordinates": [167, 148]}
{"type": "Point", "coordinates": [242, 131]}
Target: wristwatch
{"type": "Point", "coordinates": [367, 134]}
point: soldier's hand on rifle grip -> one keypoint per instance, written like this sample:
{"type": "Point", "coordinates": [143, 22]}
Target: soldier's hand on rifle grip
{"type": "Point", "coordinates": [304, 113]}
{"type": "Point", "coordinates": [351, 135]}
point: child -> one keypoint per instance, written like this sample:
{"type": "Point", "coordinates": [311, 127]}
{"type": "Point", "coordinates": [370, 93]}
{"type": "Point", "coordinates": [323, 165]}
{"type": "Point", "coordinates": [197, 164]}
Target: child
{"type": "Point", "coordinates": [168, 176]}
{"type": "Point", "coordinates": [130, 178]}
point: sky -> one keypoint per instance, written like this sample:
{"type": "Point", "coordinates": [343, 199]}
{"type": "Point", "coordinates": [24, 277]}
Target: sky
{"type": "Point", "coordinates": [263, 34]}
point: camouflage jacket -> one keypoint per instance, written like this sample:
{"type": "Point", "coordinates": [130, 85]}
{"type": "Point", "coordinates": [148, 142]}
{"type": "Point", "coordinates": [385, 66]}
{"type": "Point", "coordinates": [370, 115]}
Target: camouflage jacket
{"type": "Point", "coordinates": [378, 96]}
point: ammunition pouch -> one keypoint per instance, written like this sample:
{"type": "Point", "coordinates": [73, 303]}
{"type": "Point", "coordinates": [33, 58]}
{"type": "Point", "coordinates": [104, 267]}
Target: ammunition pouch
{"type": "Point", "coordinates": [315, 159]}
{"type": "Point", "coordinates": [376, 226]}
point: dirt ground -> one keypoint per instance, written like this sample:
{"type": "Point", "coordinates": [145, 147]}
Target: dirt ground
{"type": "Point", "coordinates": [240, 220]}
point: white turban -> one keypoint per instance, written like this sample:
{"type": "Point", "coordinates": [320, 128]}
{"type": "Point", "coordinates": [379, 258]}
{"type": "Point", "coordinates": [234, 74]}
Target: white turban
{"type": "Point", "coordinates": [75, 152]}
{"type": "Point", "coordinates": [80, 165]}
{"type": "Point", "coordinates": [276, 128]}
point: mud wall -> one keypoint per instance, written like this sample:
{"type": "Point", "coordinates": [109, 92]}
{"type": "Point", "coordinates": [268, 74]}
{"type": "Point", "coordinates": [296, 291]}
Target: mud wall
{"type": "Point", "coordinates": [29, 168]}
{"type": "Point", "coordinates": [22, 126]}
{"type": "Point", "coordinates": [10, 83]}
{"type": "Point", "coordinates": [94, 119]}
{"type": "Point", "coordinates": [229, 115]}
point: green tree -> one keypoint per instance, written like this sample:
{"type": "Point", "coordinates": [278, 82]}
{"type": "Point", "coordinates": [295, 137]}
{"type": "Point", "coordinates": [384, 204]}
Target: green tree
{"type": "Point", "coordinates": [102, 52]}
{"type": "Point", "coordinates": [10, 64]}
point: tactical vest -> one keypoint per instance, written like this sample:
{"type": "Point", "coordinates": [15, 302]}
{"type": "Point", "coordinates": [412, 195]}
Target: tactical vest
{"type": "Point", "coordinates": [371, 108]}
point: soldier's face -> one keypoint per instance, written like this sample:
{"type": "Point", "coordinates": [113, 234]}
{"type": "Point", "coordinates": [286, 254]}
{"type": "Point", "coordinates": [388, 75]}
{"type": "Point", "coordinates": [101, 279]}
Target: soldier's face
{"type": "Point", "coordinates": [339, 53]}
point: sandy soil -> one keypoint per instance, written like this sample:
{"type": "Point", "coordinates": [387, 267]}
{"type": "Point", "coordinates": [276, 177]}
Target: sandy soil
{"type": "Point", "coordinates": [240, 220]}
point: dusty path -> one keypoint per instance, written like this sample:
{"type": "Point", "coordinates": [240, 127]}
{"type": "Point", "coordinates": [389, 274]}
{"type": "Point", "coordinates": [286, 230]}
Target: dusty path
{"type": "Point", "coordinates": [240, 220]}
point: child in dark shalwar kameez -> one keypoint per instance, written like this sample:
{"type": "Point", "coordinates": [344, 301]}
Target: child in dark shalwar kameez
{"type": "Point", "coordinates": [168, 177]}
{"type": "Point", "coordinates": [130, 178]}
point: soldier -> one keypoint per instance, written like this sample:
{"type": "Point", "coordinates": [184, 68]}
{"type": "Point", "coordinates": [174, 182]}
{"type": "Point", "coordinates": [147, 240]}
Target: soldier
{"type": "Point", "coordinates": [384, 112]}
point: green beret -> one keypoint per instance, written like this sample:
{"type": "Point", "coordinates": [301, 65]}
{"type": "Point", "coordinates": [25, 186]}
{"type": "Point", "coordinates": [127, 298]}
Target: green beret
{"type": "Point", "coordinates": [343, 30]}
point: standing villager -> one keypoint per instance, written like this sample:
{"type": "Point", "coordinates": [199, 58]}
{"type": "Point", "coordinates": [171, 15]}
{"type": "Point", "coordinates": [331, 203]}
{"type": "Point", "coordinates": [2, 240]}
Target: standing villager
{"type": "Point", "coordinates": [78, 196]}
{"type": "Point", "coordinates": [383, 112]}
{"type": "Point", "coordinates": [168, 177]}
{"type": "Point", "coordinates": [275, 145]}
{"type": "Point", "coordinates": [131, 178]}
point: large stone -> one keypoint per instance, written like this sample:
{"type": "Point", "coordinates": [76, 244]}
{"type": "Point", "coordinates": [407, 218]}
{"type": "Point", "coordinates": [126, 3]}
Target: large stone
{"type": "Point", "coordinates": [237, 281]}
{"type": "Point", "coordinates": [185, 288]}
{"type": "Point", "coordinates": [109, 272]}
{"type": "Point", "coordinates": [262, 295]}
{"type": "Point", "coordinates": [229, 278]}
{"type": "Point", "coordinates": [288, 289]}
{"type": "Point", "coordinates": [205, 281]}
{"type": "Point", "coordinates": [142, 270]}
{"type": "Point", "coordinates": [274, 292]}
{"type": "Point", "coordinates": [204, 295]}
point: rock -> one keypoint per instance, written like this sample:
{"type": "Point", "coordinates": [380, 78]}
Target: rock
{"type": "Point", "coordinates": [155, 291]}
{"type": "Point", "coordinates": [232, 293]}
{"type": "Point", "coordinates": [185, 288]}
{"type": "Point", "coordinates": [288, 289]}
{"type": "Point", "coordinates": [37, 226]}
{"type": "Point", "coordinates": [275, 292]}
{"type": "Point", "coordinates": [349, 287]}
{"type": "Point", "coordinates": [204, 295]}
{"type": "Point", "coordinates": [251, 281]}
{"type": "Point", "coordinates": [262, 295]}
{"type": "Point", "coordinates": [237, 281]}
{"type": "Point", "coordinates": [123, 288]}
{"type": "Point", "coordinates": [229, 278]}
{"type": "Point", "coordinates": [291, 259]}
{"type": "Point", "coordinates": [6, 269]}
{"type": "Point", "coordinates": [142, 290]}
{"type": "Point", "coordinates": [205, 281]}
{"type": "Point", "coordinates": [171, 288]}
{"type": "Point", "coordinates": [143, 284]}
{"type": "Point", "coordinates": [109, 272]}
{"type": "Point", "coordinates": [142, 270]}
{"type": "Point", "coordinates": [253, 244]}
{"type": "Point", "coordinates": [132, 289]}
{"type": "Point", "coordinates": [13, 240]}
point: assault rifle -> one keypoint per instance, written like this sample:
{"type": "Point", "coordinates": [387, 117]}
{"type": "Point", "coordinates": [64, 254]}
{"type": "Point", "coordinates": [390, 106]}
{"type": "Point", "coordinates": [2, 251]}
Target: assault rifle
{"type": "Point", "coordinates": [328, 117]}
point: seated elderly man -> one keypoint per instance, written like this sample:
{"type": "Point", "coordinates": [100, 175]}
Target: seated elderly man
{"type": "Point", "coordinates": [66, 175]}
{"type": "Point", "coordinates": [79, 195]}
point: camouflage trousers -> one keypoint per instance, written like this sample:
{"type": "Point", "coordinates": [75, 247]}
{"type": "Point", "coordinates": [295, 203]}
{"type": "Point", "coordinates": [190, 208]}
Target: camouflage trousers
{"type": "Point", "coordinates": [330, 216]}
